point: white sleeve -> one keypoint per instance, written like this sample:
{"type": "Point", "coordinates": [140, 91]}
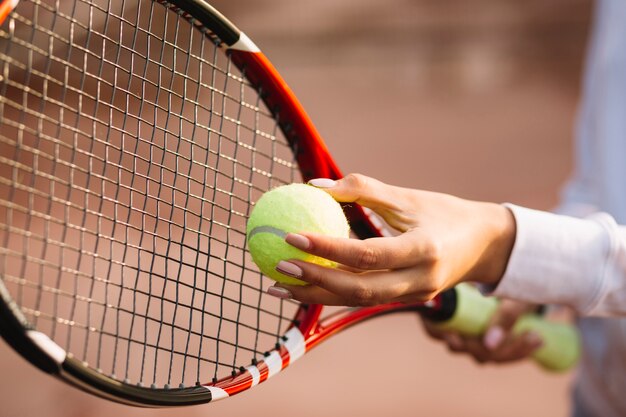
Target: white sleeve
{"type": "Point", "coordinates": [559, 259]}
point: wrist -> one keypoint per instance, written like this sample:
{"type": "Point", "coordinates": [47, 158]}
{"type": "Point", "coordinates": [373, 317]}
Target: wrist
{"type": "Point", "coordinates": [501, 231]}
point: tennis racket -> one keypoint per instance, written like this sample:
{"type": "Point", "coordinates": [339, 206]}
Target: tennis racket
{"type": "Point", "coordinates": [135, 137]}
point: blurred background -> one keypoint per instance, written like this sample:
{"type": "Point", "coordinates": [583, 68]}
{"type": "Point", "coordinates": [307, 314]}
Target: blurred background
{"type": "Point", "coordinates": [476, 98]}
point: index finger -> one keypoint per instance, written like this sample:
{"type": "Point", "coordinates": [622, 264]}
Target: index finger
{"type": "Point", "coordinates": [356, 188]}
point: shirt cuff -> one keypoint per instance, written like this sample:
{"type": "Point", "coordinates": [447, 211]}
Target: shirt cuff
{"type": "Point", "coordinates": [556, 259]}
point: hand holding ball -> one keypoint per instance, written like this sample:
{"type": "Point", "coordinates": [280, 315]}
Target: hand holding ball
{"type": "Point", "coordinates": [292, 208]}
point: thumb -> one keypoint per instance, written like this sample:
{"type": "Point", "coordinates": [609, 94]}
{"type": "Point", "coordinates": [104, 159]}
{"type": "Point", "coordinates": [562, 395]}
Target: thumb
{"type": "Point", "coordinates": [502, 322]}
{"type": "Point", "coordinates": [357, 188]}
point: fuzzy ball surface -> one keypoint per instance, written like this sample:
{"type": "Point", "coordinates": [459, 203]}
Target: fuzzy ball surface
{"type": "Point", "coordinates": [292, 208]}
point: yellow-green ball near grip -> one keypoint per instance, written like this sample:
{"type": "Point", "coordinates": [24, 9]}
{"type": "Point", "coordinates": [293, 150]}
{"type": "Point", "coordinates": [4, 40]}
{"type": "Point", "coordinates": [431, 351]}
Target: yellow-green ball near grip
{"type": "Point", "coordinates": [561, 343]}
{"type": "Point", "coordinates": [292, 208]}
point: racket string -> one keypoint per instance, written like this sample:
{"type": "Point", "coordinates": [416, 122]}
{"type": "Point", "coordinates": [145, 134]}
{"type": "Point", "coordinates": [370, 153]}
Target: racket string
{"type": "Point", "coordinates": [130, 152]}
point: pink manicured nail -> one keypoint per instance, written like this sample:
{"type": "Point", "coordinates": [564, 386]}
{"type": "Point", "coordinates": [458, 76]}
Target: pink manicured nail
{"type": "Point", "coordinates": [493, 337]}
{"type": "Point", "coordinates": [298, 241]}
{"type": "Point", "coordinates": [323, 183]}
{"type": "Point", "coordinates": [279, 292]}
{"type": "Point", "coordinates": [289, 269]}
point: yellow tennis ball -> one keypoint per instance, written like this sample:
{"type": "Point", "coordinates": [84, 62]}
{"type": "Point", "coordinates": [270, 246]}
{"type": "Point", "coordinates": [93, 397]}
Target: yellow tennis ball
{"type": "Point", "coordinates": [292, 208]}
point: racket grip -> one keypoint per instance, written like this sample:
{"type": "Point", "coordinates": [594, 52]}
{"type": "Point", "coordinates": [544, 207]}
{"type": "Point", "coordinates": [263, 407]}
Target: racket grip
{"type": "Point", "coordinates": [561, 343]}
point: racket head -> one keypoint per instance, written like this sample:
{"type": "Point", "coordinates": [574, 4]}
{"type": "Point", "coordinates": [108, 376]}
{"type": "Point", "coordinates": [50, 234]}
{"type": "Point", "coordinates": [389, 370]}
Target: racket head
{"type": "Point", "coordinates": [135, 140]}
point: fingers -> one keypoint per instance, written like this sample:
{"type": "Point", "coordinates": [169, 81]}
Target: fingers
{"type": "Point", "coordinates": [403, 251]}
{"type": "Point", "coordinates": [398, 206]}
{"type": "Point", "coordinates": [499, 344]}
{"type": "Point", "coordinates": [502, 322]}
{"type": "Point", "coordinates": [342, 286]}
{"type": "Point", "coordinates": [356, 188]}
{"type": "Point", "coordinates": [513, 349]}
{"type": "Point", "coordinates": [517, 347]}
{"type": "Point", "coordinates": [306, 294]}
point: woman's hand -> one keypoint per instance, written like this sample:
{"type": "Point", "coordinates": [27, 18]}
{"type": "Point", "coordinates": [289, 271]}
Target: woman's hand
{"type": "Point", "coordinates": [444, 240]}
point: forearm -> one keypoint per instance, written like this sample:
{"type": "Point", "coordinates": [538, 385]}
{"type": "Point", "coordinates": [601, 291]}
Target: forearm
{"type": "Point", "coordinates": [565, 260]}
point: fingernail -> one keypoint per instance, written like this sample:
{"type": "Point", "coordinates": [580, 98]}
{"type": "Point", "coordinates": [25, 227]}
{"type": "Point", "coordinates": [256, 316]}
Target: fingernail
{"type": "Point", "coordinates": [290, 269]}
{"type": "Point", "coordinates": [323, 182]}
{"type": "Point", "coordinates": [279, 292]}
{"type": "Point", "coordinates": [298, 241]}
{"type": "Point", "coordinates": [493, 337]}
{"type": "Point", "coordinates": [534, 339]}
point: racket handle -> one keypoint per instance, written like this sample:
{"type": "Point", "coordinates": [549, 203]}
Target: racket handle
{"type": "Point", "coordinates": [561, 343]}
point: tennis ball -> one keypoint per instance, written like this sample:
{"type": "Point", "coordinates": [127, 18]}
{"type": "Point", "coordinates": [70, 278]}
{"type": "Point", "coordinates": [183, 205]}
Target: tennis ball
{"type": "Point", "coordinates": [292, 208]}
